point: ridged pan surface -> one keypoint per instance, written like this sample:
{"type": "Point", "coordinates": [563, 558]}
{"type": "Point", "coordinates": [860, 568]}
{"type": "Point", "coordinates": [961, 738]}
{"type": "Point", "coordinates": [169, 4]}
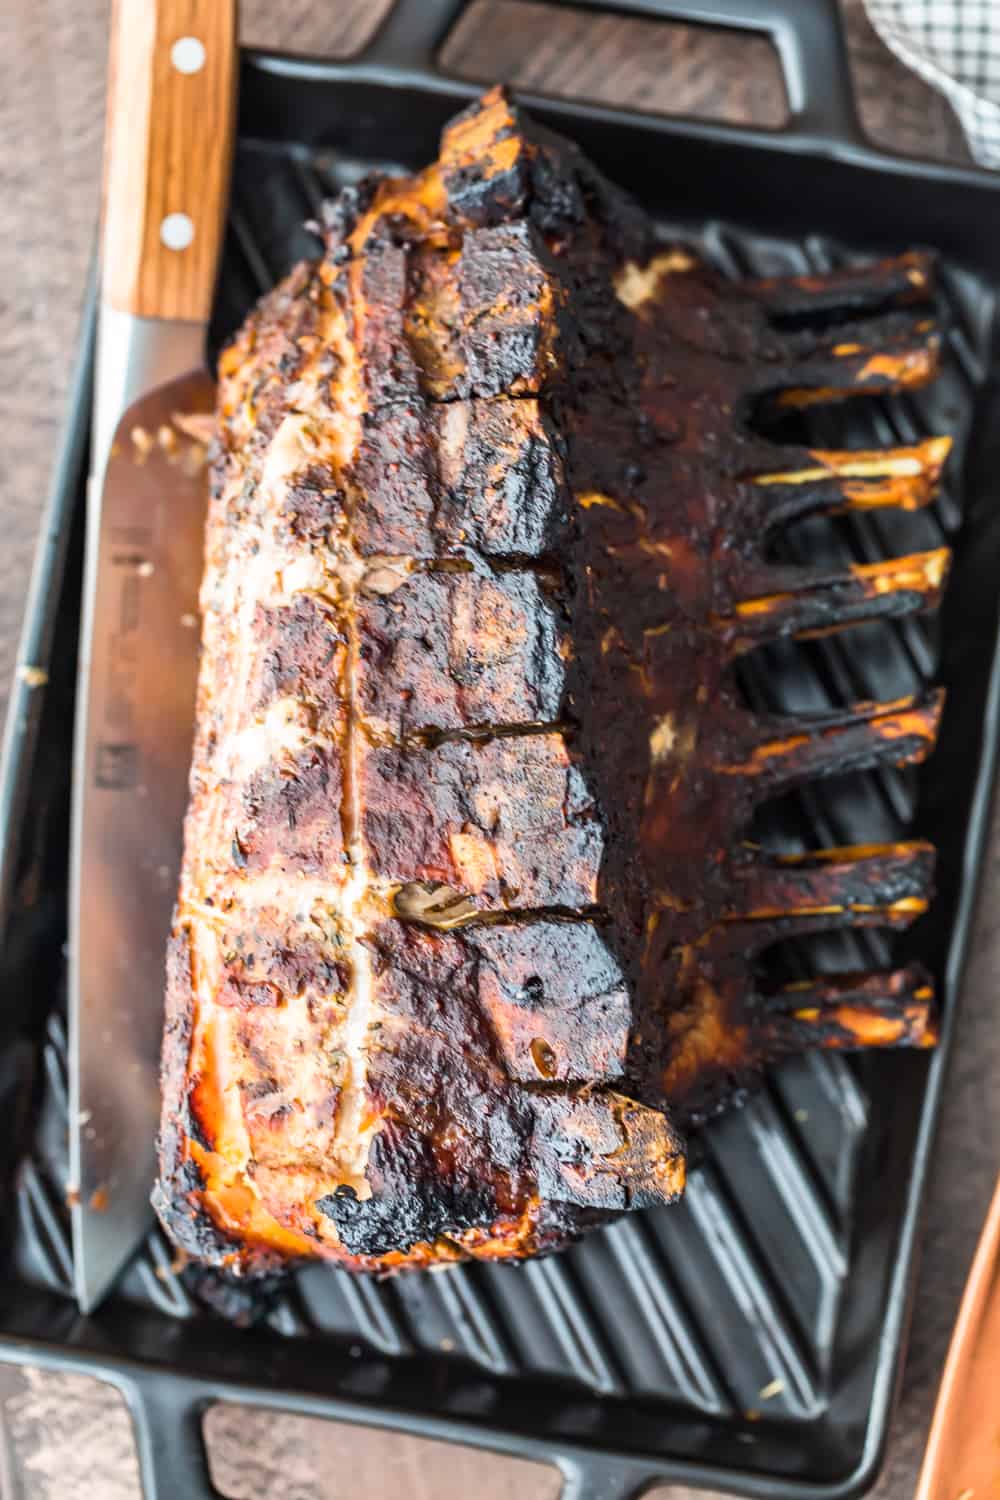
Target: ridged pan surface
{"type": "Point", "coordinates": [740, 1328]}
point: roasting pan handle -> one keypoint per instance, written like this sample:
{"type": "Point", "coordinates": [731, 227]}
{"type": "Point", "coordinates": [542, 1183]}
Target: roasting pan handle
{"type": "Point", "coordinates": [167, 1409]}
{"type": "Point", "coordinates": [589, 1477]}
{"type": "Point", "coordinates": [412, 35]}
{"type": "Point", "coordinates": [807, 35]}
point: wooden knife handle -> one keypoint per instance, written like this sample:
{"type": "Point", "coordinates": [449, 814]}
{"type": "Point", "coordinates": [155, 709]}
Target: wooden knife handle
{"type": "Point", "coordinates": [168, 147]}
{"type": "Point", "coordinates": [963, 1449]}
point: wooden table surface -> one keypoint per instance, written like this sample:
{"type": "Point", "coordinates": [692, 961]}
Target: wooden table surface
{"type": "Point", "coordinates": [64, 1436]}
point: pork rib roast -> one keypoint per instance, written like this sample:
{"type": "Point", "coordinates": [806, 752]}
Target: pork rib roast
{"type": "Point", "coordinates": [468, 917]}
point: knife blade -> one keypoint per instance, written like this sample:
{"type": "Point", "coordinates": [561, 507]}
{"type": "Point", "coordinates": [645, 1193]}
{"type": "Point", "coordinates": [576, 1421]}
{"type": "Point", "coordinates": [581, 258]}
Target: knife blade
{"type": "Point", "coordinates": [168, 149]}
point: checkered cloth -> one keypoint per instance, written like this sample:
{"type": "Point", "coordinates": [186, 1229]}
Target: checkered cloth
{"type": "Point", "coordinates": [955, 46]}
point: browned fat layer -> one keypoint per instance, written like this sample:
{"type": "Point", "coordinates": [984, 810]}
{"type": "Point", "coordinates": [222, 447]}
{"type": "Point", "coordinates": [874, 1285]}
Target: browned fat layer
{"type": "Point", "coordinates": [507, 821]}
{"type": "Point", "coordinates": [587, 1147]}
{"type": "Point", "coordinates": [449, 650]}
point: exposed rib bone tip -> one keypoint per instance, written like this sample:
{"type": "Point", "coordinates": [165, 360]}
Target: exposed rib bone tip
{"type": "Point", "coordinates": [919, 460]}
{"type": "Point", "coordinates": [847, 1011]}
{"type": "Point", "coordinates": [861, 737]}
{"type": "Point", "coordinates": [888, 881]}
{"type": "Point", "coordinates": [831, 481]}
{"type": "Point", "coordinates": [807, 603]}
{"type": "Point", "coordinates": [863, 372]}
{"type": "Point", "coordinates": [894, 282]}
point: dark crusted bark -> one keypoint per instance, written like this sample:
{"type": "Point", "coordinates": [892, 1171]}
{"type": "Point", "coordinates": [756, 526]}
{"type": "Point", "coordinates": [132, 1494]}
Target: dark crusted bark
{"type": "Point", "coordinates": [487, 537]}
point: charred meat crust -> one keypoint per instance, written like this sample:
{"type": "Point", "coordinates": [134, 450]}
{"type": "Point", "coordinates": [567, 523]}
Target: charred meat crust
{"type": "Point", "coordinates": [466, 920]}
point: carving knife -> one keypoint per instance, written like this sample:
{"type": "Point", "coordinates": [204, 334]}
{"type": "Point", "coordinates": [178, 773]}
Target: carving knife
{"type": "Point", "coordinates": [168, 147]}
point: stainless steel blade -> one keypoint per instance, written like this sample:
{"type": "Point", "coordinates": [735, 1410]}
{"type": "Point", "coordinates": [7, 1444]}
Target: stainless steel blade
{"type": "Point", "coordinates": [135, 355]}
{"type": "Point", "coordinates": [133, 747]}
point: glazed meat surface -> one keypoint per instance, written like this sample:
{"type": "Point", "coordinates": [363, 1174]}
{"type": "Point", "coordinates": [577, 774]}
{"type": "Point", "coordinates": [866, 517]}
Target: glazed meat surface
{"type": "Point", "coordinates": [467, 922]}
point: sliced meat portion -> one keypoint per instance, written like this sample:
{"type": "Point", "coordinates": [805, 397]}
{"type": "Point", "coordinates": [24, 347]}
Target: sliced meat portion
{"type": "Point", "coordinates": [508, 821]}
{"type": "Point", "coordinates": [459, 651]}
{"type": "Point", "coordinates": [458, 477]}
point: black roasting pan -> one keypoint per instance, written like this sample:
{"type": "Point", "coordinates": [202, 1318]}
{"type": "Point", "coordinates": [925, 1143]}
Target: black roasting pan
{"type": "Point", "coordinates": [749, 1340]}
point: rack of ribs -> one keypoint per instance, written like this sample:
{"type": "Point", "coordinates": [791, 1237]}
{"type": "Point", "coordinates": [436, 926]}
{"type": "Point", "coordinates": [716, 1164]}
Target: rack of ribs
{"type": "Point", "coordinates": [468, 915]}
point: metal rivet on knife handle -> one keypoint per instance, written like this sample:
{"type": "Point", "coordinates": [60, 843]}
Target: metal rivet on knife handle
{"type": "Point", "coordinates": [177, 231]}
{"type": "Point", "coordinates": [188, 54]}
